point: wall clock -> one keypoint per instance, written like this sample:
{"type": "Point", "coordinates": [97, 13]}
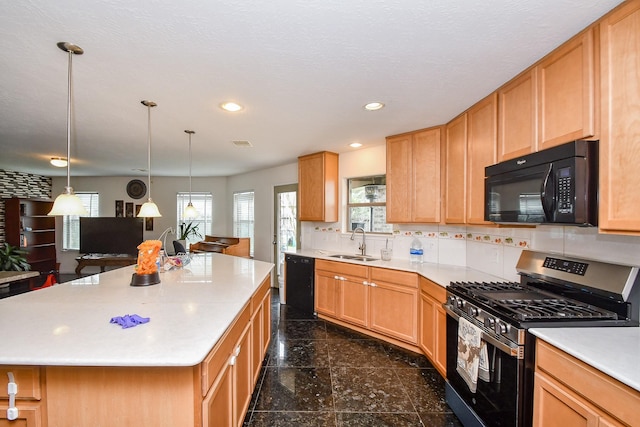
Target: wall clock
{"type": "Point", "coordinates": [136, 189]}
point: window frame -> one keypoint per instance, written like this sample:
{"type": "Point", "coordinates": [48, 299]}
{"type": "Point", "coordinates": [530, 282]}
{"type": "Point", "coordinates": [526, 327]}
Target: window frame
{"type": "Point", "coordinates": [249, 222]}
{"type": "Point", "coordinates": [73, 221]}
{"type": "Point", "coordinates": [372, 180]}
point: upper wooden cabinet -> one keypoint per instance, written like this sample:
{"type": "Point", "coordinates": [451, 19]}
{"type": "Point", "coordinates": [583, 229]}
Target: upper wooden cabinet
{"type": "Point", "coordinates": [566, 86]}
{"type": "Point", "coordinates": [455, 170]}
{"type": "Point", "coordinates": [413, 177]}
{"type": "Point", "coordinates": [620, 120]}
{"type": "Point", "coordinates": [517, 116]}
{"type": "Point", "coordinates": [482, 125]}
{"type": "Point", "coordinates": [318, 187]}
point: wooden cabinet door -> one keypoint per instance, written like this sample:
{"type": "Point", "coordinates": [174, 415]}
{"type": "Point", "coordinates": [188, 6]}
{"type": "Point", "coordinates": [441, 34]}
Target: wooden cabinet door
{"type": "Point", "coordinates": [482, 144]}
{"type": "Point", "coordinates": [318, 187]}
{"type": "Point", "coordinates": [556, 405]}
{"type": "Point", "coordinates": [433, 323]}
{"type": "Point", "coordinates": [425, 176]}
{"type": "Point", "coordinates": [242, 377]}
{"type": "Point", "coordinates": [455, 172]}
{"type": "Point", "coordinates": [566, 86]}
{"type": "Point", "coordinates": [217, 405]}
{"type": "Point", "coordinates": [517, 117]}
{"type": "Point", "coordinates": [620, 106]}
{"type": "Point", "coordinates": [29, 415]}
{"type": "Point", "coordinates": [399, 178]}
{"type": "Point", "coordinates": [354, 300]}
{"type": "Point", "coordinates": [427, 341]}
{"type": "Point", "coordinates": [394, 311]}
{"type": "Point", "coordinates": [326, 290]}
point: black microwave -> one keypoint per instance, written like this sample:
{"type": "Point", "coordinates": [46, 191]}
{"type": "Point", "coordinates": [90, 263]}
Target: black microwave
{"type": "Point", "coordinates": [558, 185]}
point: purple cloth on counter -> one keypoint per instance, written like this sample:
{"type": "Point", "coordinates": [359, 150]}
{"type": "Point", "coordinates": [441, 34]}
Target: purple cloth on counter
{"type": "Point", "coordinates": [129, 321]}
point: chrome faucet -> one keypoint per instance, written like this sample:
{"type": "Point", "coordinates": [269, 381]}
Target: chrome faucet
{"type": "Point", "coordinates": [363, 245]}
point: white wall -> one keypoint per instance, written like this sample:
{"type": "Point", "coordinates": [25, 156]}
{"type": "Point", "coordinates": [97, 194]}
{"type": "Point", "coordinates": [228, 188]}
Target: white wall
{"type": "Point", "coordinates": [262, 183]}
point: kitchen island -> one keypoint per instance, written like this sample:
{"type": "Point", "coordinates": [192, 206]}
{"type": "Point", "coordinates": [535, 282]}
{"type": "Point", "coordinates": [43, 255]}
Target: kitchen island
{"type": "Point", "coordinates": [196, 359]}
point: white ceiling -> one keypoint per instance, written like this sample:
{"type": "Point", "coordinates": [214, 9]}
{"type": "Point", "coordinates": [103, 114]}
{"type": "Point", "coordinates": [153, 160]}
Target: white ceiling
{"type": "Point", "coordinates": [302, 69]}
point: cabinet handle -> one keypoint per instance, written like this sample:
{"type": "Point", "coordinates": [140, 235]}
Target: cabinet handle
{"type": "Point", "coordinates": [373, 285]}
{"type": "Point", "coordinates": [336, 277]}
{"type": "Point", "coordinates": [232, 361]}
{"type": "Point", "coordinates": [365, 283]}
{"type": "Point", "coordinates": [237, 352]}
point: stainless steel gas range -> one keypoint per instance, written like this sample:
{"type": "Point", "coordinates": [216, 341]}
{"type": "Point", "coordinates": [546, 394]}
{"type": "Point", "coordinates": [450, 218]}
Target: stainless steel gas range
{"type": "Point", "coordinates": [491, 354]}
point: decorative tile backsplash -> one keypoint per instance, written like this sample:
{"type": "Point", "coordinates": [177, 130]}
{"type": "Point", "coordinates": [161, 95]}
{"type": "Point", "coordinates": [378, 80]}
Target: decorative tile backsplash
{"type": "Point", "coordinates": [492, 250]}
{"type": "Point", "coordinates": [19, 184]}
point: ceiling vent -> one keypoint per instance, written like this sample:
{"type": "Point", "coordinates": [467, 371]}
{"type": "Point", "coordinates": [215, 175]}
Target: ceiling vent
{"type": "Point", "coordinates": [242, 144]}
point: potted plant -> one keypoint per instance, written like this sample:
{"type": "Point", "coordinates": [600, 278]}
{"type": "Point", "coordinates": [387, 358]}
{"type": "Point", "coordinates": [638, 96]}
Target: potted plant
{"type": "Point", "coordinates": [13, 259]}
{"type": "Point", "coordinates": [188, 230]}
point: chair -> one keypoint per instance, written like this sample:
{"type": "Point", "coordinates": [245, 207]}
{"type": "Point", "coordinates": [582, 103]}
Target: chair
{"type": "Point", "coordinates": [179, 248]}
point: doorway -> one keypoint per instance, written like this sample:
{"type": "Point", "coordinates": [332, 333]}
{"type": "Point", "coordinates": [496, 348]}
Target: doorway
{"type": "Point", "coordinates": [287, 228]}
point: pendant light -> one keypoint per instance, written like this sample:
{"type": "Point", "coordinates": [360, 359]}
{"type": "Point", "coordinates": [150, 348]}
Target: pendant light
{"type": "Point", "coordinates": [68, 203]}
{"type": "Point", "coordinates": [190, 211]}
{"type": "Point", "coordinates": [149, 209]}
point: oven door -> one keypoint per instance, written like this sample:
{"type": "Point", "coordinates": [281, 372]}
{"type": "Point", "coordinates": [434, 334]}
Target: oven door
{"type": "Point", "coordinates": [499, 402]}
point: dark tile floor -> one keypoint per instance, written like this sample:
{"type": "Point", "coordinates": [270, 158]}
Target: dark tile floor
{"type": "Point", "coordinates": [319, 374]}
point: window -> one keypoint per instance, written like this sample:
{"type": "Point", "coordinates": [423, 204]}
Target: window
{"type": "Point", "coordinates": [367, 204]}
{"type": "Point", "coordinates": [71, 223]}
{"type": "Point", "coordinates": [243, 216]}
{"type": "Point", "coordinates": [203, 202]}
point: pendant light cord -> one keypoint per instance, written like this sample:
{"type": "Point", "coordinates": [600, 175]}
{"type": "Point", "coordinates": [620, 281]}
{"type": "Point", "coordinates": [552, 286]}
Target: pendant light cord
{"type": "Point", "coordinates": [69, 120]}
{"type": "Point", "coordinates": [189, 168]}
{"type": "Point", "coordinates": [149, 149]}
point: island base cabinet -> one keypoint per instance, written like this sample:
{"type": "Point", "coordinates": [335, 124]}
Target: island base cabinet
{"type": "Point", "coordinates": [217, 406]}
{"type": "Point", "coordinates": [121, 396]}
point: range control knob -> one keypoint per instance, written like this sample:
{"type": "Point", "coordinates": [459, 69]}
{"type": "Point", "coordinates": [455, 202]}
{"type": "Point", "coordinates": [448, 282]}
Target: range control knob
{"type": "Point", "coordinates": [500, 328]}
{"type": "Point", "coordinates": [452, 301]}
{"type": "Point", "coordinates": [460, 303]}
{"type": "Point", "coordinates": [472, 311]}
{"type": "Point", "coordinates": [489, 322]}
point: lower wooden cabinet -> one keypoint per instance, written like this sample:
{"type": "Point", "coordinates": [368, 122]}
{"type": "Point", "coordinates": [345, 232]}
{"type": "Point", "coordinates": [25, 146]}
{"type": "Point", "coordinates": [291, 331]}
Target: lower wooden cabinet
{"type": "Point", "coordinates": [433, 324]}
{"type": "Point", "coordinates": [568, 392]}
{"type": "Point", "coordinates": [393, 303]}
{"type": "Point", "coordinates": [377, 300]}
{"type": "Point", "coordinates": [29, 415]}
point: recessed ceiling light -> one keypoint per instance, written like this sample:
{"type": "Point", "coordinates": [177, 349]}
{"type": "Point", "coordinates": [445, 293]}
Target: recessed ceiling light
{"type": "Point", "coordinates": [58, 162]}
{"type": "Point", "coordinates": [373, 106]}
{"type": "Point", "coordinates": [231, 107]}
{"type": "Point", "coordinates": [355, 145]}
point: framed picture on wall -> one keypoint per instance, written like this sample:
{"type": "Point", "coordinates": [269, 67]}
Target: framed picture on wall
{"type": "Point", "coordinates": [129, 210]}
{"type": "Point", "coordinates": [138, 209]}
{"type": "Point", "coordinates": [119, 208]}
{"type": "Point", "coordinates": [148, 224]}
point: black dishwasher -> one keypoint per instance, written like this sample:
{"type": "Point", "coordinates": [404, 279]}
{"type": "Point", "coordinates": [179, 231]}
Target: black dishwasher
{"type": "Point", "coordinates": [299, 282]}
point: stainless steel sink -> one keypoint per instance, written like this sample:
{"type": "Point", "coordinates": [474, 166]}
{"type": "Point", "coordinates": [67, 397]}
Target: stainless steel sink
{"type": "Point", "coordinates": [354, 257]}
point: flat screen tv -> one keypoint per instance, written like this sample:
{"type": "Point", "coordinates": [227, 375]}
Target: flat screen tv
{"type": "Point", "coordinates": [105, 235]}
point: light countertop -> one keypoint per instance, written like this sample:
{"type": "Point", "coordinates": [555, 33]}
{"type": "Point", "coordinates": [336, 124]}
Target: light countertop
{"type": "Point", "coordinates": [7, 277]}
{"type": "Point", "coordinates": [69, 324]}
{"type": "Point", "coordinates": [441, 274]}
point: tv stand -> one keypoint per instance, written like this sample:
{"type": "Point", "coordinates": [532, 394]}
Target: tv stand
{"type": "Point", "coordinates": [104, 260]}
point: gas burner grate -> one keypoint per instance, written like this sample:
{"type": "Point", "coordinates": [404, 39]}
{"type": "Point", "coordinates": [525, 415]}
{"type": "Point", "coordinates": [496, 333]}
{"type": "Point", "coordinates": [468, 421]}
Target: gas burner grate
{"type": "Point", "coordinates": [478, 287]}
{"type": "Point", "coordinates": [553, 309]}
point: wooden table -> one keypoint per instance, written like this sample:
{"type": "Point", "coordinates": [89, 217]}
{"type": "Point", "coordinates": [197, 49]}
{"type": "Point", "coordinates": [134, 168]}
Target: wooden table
{"type": "Point", "coordinates": [104, 261]}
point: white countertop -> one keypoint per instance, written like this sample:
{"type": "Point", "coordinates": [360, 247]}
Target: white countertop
{"type": "Point", "coordinates": [441, 274]}
{"type": "Point", "coordinates": [614, 351]}
{"type": "Point", "coordinates": [69, 324]}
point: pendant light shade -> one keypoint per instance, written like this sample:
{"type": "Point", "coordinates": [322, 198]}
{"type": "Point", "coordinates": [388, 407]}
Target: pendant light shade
{"type": "Point", "coordinates": [190, 211]}
{"type": "Point", "coordinates": [68, 203]}
{"type": "Point", "coordinates": [149, 209]}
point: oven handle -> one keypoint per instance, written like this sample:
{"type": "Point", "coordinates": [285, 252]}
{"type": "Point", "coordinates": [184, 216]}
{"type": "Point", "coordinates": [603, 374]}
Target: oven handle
{"type": "Point", "coordinates": [513, 351]}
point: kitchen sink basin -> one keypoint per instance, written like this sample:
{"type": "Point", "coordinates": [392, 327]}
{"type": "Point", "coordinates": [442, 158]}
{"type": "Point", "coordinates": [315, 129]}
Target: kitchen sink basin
{"type": "Point", "coordinates": [354, 257]}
